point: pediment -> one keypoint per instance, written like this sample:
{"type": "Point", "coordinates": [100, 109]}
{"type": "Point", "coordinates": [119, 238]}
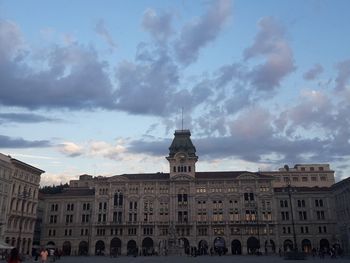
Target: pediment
{"type": "Point", "coordinates": [247, 176]}
{"type": "Point", "coordinates": [182, 177]}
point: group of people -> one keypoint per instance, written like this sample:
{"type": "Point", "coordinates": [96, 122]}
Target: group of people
{"type": "Point", "coordinates": [44, 255]}
{"type": "Point", "coordinates": [333, 252]}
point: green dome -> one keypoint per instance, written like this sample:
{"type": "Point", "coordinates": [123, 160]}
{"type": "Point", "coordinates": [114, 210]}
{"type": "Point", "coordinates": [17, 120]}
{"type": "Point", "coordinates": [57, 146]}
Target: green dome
{"type": "Point", "coordinates": [182, 143]}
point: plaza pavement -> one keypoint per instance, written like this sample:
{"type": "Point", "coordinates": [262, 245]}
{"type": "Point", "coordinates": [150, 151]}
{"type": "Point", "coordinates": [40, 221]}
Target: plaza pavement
{"type": "Point", "coordinates": [186, 259]}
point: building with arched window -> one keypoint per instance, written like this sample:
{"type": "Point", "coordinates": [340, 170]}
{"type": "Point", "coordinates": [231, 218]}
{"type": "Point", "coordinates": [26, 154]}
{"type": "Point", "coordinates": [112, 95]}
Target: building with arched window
{"type": "Point", "coordinates": [19, 187]}
{"type": "Point", "coordinates": [186, 211]}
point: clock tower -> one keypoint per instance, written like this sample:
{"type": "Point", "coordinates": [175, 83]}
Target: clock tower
{"type": "Point", "coordinates": [182, 155]}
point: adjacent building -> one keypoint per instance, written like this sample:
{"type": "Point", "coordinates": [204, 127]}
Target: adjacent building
{"type": "Point", "coordinates": [234, 212]}
{"type": "Point", "coordinates": [341, 191]}
{"type": "Point", "coordinates": [5, 186]}
{"type": "Point", "coordinates": [19, 200]}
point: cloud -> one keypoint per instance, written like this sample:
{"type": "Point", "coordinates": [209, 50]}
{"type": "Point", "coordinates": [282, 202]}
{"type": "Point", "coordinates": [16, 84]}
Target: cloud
{"type": "Point", "coordinates": [146, 87]}
{"type": "Point", "coordinates": [270, 43]}
{"type": "Point", "coordinates": [102, 31]}
{"type": "Point", "coordinates": [71, 149]}
{"type": "Point", "coordinates": [25, 118]}
{"type": "Point", "coordinates": [343, 76]}
{"type": "Point", "coordinates": [94, 149]}
{"type": "Point", "coordinates": [10, 40]}
{"type": "Point", "coordinates": [101, 148]}
{"type": "Point", "coordinates": [10, 142]}
{"type": "Point", "coordinates": [159, 26]}
{"type": "Point", "coordinates": [314, 109]}
{"type": "Point", "coordinates": [198, 33]}
{"type": "Point", "coordinates": [60, 178]}
{"type": "Point", "coordinates": [74, 78]}
{"type": "Point", "coordinates": [314, 72]}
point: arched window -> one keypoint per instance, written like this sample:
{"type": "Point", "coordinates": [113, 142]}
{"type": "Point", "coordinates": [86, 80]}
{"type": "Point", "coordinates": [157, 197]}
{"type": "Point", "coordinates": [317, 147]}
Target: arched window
{"type": "Point", "coordinates": [118, 199]}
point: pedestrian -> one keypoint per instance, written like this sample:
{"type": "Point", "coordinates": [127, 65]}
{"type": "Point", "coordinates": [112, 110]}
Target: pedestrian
{"type": "Point", "coordinates": [43, 256]}
{"type": "Point", "coordinates": [14, 256]}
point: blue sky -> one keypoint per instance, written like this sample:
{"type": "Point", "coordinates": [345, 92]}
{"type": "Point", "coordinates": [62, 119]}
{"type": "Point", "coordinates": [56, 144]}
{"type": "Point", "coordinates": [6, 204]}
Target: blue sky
{"type": "Point", "coordinates": [97, 87]}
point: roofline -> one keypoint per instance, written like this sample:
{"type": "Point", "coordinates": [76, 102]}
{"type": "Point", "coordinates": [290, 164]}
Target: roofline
{"type": "Point", "coordinates": [27, 165]}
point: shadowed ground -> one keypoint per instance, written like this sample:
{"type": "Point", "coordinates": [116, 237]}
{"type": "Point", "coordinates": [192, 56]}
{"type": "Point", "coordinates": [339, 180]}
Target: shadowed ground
{"type": "Point", "coordinates": [185, 259]}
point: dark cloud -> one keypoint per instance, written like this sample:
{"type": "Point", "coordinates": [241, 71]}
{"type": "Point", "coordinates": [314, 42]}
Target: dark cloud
{"type": "Point", "coordinates": [155, 147]}
{"type": "Point", "coordinates": [314, 72]}
{"type": "Point", "coordinates": [9, 142]}
{"type": "Point", "coordinates": [74, 77]}
{"type": "Point", "coordinates": [271, 44]}
{"type": "Point", "coordinates": [159, 26]}
{"type": "Point", "coordinates": [198, 33]}
{"type": "Point", "coordinates": [25, 118]}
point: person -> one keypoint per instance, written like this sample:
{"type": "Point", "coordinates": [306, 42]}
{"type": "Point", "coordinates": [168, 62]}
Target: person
{"type": "Point", "coordinates": [14, 256]}
{"type": "Point", "coordinates": [43, 255]}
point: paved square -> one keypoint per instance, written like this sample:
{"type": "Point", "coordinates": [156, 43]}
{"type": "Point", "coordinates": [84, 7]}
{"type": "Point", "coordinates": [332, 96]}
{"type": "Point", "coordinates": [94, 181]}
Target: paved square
{"type": "Point", "coordinates": [201, 259]}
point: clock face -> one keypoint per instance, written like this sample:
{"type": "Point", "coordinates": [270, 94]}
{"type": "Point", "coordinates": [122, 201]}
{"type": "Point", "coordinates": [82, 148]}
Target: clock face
{"type": "Point", "coordinates": [182, 157]}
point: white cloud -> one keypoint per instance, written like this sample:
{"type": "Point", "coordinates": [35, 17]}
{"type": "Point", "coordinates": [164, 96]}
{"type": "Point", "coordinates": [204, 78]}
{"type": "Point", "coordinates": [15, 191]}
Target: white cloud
{"type": "Point", "coordinates": [71, 149]}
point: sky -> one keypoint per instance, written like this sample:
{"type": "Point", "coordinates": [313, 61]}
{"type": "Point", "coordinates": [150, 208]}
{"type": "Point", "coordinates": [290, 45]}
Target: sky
{"type": "Point", "coordinates": [99, 87]}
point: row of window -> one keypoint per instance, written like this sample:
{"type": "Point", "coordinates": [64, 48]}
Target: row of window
{"type": "Point", "coordinates": [302, 215]}
{"type": "Point", "coordinates": [303, 178]}
{"type": "Point", "coordinates": [301, 203]}
{"type": "Point", "coordinates": [304, 230]}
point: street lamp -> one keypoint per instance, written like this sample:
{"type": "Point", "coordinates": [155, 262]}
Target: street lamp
{"type": "Point", "coordinates": [295, 254]}
{"type": "Point", "coordinates": [24, 195]}
{"type": "Point", "coordinates": [290, 190]}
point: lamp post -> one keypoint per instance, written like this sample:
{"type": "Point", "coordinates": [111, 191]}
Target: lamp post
{"type": "Point", "coordinates": [289, 189]}
{"type": "Point", "coordinates": [257, 222]}
{"type": "Point", "coordinates": [24, 195]}
{"type": "Point", "coordinates": [295, 254]}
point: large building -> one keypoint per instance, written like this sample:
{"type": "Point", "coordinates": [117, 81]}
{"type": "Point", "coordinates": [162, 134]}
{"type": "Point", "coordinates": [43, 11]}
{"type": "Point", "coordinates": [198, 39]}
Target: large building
{"type": "Point", "coordinates": [236, 212]}
{"type": "Point", "coordinates": [19, 188]}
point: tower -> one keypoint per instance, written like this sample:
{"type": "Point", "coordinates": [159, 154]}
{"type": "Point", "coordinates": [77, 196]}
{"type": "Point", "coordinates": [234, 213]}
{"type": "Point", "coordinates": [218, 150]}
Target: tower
{"type": "Point", "coordinates": [182, 155]}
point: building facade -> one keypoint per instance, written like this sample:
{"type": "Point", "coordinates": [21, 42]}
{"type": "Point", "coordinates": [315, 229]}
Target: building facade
{"type": "Point", "coordinates": [182, 211]}
{"type": "Point", "coordinates": [341, 191]}
{"type": "Point", "coordinates": [5, 183]}
{"type": "Point", "coordinates": [20, 197]}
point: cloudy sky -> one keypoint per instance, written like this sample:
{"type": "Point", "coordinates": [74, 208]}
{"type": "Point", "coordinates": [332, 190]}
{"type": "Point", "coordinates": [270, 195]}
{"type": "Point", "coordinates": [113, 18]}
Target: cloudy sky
{"type": "Point", "coordinates": [98, 87]}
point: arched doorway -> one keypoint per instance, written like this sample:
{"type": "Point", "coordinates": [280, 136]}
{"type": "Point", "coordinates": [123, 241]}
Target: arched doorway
{"type": "Point", "coordinates": [324, 245]}
{"type": "Point", "coordinates": [24, 243]}
{"type": "Point", "coordinates": [100, 248]}
{"type": "Point", "coordinates": [252, 245]}
{"type": "Point", "coordinates": [83, 248]}
{"type": "Point", "coordinates": [50, 244]}
{"type": "Point", "coordinates": [66, 248]}
{"type": "Point", "coordinates": [270, 247]}
{"type": "Point", "coordinates": [147, 246]}
{"type": "Point", "coordinates": [185, 244]}
{"type": "Point", "coordinates": [236, 247]}
{"type": "Point", "coordinates": [131, 248]}
{"type": "Point", "coordinates": [203, 247]}
{"type": "Point", "coordinates": [306, 246]}
{"type": "Point", "coordinates": [220, 246]}
{"type": "Point", "coordinates": [287, 245]}
{"type": "Point", "coordinates": [116, 246]}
